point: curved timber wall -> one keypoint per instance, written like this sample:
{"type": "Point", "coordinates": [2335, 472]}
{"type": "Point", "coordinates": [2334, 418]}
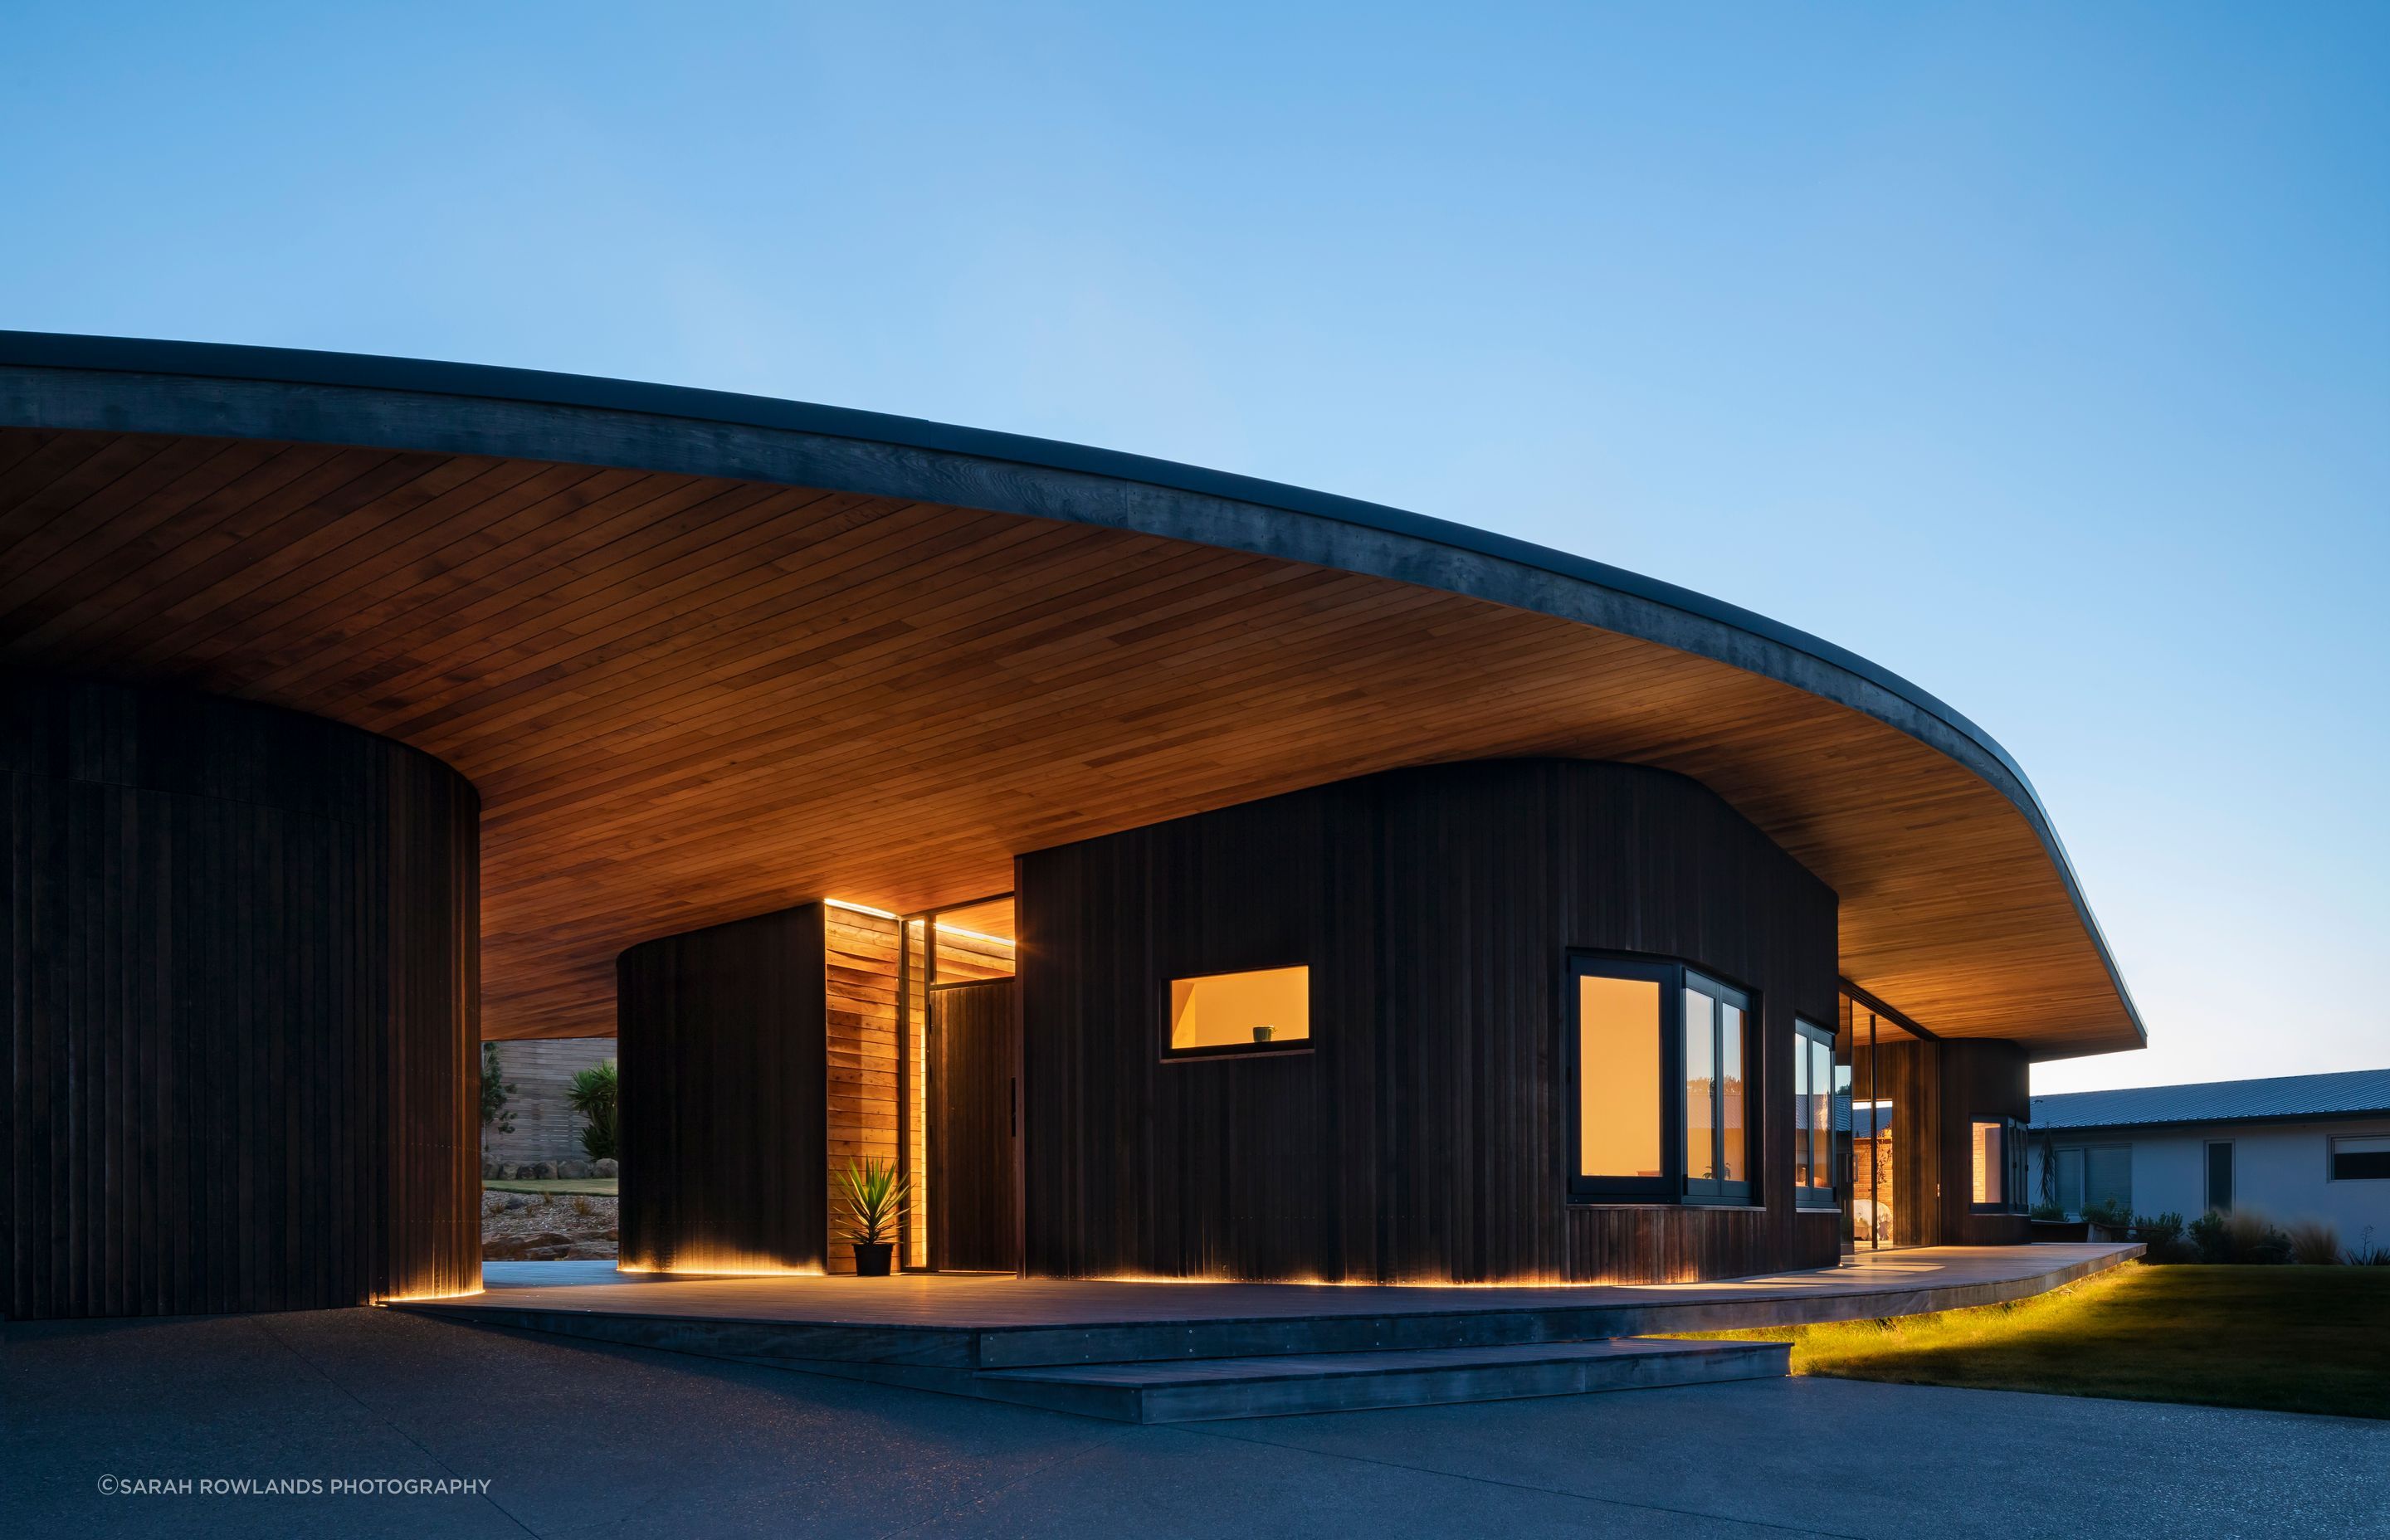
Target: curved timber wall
{"type": "Point", "coordinates": [1424, 1138]}
{"type": "Point", "coordinates": [241, 954]}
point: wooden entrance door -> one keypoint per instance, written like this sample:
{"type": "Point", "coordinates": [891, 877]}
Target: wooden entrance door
{"type": "Point", "coordinates": [974, 1121]}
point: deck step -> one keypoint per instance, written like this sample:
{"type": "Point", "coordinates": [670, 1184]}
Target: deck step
{"type": "Point", "coordinates": [1286, 1385]}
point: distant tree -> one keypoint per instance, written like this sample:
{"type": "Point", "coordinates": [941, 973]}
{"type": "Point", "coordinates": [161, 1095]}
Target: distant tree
{"type": "Point", "coordinates": [592, 1094]}
{"type": "Point", "coordinates": [496, 1090]}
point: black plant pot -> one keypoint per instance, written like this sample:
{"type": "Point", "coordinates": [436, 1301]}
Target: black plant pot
{"type": "Point", "coordinates": [871, 1258]}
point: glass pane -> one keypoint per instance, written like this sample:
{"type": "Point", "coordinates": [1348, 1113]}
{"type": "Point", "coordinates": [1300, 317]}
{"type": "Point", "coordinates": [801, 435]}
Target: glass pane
{"type": "Point", "coordinates": [2360, 1159]}
{"type": "Point", "coordinates": [2070, 1180]}
{"type": "Point", "coordinates": [1220, 1010]}
{"type": "Point", "coordinates": [1821, 1116]}
{"type": "Point", "coordinates": [1618, 1077]}
{"type": "Point", "coordinates": [1731, 1089]}
{"type": "Point", "coordinates": [1701, 1073]}
{"type": "Point", "coordinates": [2108, 1175]}
{"type": "Point", "coordinates": [1804, 1141]}
{"type": "Point", "coordinates": [1990, 1164]}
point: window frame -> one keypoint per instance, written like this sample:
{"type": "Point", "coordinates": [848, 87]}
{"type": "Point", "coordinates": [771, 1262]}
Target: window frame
{"type": "Point", "coordinates": [2207, 1176]}
{"type": "Point", "coordinates": [2013, 1166]}
{"type": "Point", "coordinates": [1805, 1035]}
{"type": "Point", "coordinates": [2331, 1158]}
{"type": "Point", "coordinates": [1673, 1185]}
{"type": "Point", "coordinates": [1274, 1049]}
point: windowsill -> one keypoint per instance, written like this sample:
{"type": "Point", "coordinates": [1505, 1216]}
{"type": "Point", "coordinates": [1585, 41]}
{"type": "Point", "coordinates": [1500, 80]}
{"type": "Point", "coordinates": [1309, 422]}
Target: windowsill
{"type": "Point", "coordinates": [1213, 1055]}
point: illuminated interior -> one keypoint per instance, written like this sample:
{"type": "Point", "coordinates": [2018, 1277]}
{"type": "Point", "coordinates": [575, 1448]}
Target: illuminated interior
{"type": "Point", "coordinates": [1618, 1054]}
{"type": "Point", "coordinates": [1267, 1008]}
{"type": "Point", "coordinates": [1985, 1148]}
{"type": "Point", "coordinates": [1813, 1115]}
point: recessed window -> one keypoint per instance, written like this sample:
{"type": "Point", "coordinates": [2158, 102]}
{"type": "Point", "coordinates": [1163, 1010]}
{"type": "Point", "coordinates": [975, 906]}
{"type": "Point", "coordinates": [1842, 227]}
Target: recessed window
{"type": "Point", "coordinates": [1997, 1161]}
{"type": "Point", "coordinates": [2364, 1158]}
{"type": "Point", "coordinates": [1256, 1012]}
{"type": "Point", "coordinates": [1813, 1115]}
{"type": "Point", "coordinates": [2219, 1174]}
{"type": "Point", "coordinates": [2094, 1175]}
{"type": "Point", "coordinates": [1662, 1108]}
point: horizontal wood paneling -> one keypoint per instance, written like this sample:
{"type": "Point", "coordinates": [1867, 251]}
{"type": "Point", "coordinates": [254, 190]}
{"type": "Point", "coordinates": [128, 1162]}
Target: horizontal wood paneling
{"type": "Point", "coordinates": [541, 1071]}
{"type": "Point", "coordinates": [725, 1124]}
{"type": "Point", "coordinates": [240, 952]}
{"type": "Point", "coordinates": [685, 700]}
{"type": "Point", "coordinates": [1423, 1137]}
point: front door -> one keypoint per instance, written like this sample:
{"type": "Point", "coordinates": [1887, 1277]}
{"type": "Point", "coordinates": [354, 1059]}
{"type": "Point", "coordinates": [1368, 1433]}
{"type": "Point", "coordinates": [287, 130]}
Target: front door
{"type": "Point", "coordinates": [974, 1119]}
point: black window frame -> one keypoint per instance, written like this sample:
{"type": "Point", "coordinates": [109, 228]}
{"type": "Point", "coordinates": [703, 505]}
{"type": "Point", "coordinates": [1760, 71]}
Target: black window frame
{"type": "Point", "coordinates": [2013, 1167]}
{"type": "Point", "coordinates": [1805, 1035]}
{"type": "Point", "coordinates": [1673, 1185]}
{"type": "Point", "coordinates": [1291, 1046]}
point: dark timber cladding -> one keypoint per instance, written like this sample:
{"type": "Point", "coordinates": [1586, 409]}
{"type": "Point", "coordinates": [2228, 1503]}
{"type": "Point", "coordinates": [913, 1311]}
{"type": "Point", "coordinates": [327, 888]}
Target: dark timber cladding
{"type": "Point", "coordinates": [721, 1036]}
{"type": "Point", "coordinates": [242, 1008]}
{"type": "Point", "coordinates": [973, 1121]}
{"type": "Point", "coordinates": [1937, 1091]}
{"type": "Point", "coordinates": [1422, 1138]}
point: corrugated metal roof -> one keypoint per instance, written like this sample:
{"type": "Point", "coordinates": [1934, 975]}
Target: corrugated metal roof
{"type": "Point", "coordinates": [2347, 1093]}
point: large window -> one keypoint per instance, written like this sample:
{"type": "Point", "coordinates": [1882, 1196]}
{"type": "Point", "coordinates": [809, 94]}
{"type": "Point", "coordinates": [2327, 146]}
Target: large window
{"type": "Point", "coordinates": [2219, 1174]}
{"type": "Point", "coordinates": [1813, 1115]}
{"type": "Point", "coordinates": [1662, 1105]}
{"type": "Point", "coordinates": [2091, 1176]}
{"type": "Point", "coordinates": [1266, 1011]}
{"type": "Point", "coordinates": [1997, 1166]}
{"type": "Point", "coordinates": [2361, 1158]}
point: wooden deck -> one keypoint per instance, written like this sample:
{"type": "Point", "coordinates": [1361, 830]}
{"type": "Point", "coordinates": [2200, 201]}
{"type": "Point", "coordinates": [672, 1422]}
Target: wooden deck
{"type": "Point", "coordinates": [1153, 1351]}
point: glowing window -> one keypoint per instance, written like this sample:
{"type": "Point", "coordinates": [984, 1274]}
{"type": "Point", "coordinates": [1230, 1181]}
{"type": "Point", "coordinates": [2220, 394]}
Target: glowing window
{"type": "Point", "coordinates": [1250, 1012]}
{"type": "Point", "coordinates": [1618, 1076]}
{"type": "Point", "coordinates": [1997, 1161]}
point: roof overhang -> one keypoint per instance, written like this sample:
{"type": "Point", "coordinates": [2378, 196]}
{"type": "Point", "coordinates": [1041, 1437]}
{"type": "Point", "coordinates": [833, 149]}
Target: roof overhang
{"type": "Point", "coordinates": [707, 654]}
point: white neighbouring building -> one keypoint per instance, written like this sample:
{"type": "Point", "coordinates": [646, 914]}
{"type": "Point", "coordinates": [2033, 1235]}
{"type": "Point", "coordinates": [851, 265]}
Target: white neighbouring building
{"type": "Point", "coordinates": [2293, 1147]}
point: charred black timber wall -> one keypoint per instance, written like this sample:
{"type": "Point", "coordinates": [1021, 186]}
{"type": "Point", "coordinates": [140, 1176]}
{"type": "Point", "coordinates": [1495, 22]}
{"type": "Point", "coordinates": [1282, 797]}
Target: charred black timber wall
{"type": "Point", "coordinates": [721, 1039]}
{"type": "Point", "coordinates": [1424, 1135]}
{"type": "Point", "coordinates": [241, 949]}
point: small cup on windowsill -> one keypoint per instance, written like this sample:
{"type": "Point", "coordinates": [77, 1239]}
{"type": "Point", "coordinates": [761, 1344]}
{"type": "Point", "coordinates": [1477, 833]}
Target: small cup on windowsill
{"type": "Point", "coordinates": [1262, 1035]}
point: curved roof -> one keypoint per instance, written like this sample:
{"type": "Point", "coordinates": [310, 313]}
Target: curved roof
{"type": "Point", "coordinates": [631, 611]}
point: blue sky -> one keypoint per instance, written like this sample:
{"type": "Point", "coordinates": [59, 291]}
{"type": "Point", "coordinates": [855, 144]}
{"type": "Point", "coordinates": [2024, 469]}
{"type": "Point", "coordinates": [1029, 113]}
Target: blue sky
{"type": "Point", "coordinates": [2040, 353]}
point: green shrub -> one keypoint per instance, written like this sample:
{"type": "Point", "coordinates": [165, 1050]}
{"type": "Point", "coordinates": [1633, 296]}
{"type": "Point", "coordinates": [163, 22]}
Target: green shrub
{"type": "Point", "coordinates": [2315, 1242]}
{"type": "Point", "coordinates": [2049, 1209]}
{"type": "Point", "coordinates": [2161, 1236]}
{"type": "Point", "coordinates": [495, 1090]}
{"type": "Point", "coordinates": [593, 1095]}
{"type": "Point", "coordinates": [2241, 1236]}
{"type": "Point", "coordinates": [2111, 1215]}
{"type": "Point", "coordinates": [2366, 1254]}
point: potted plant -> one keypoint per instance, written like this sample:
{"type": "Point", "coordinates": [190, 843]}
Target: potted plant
{"type": "Point", "coordinates": [875, 1196]}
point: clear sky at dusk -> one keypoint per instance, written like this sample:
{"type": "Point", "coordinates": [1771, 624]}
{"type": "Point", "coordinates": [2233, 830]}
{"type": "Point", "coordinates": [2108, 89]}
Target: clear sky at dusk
{"type": "Point", "coordinates": [2039, 353]}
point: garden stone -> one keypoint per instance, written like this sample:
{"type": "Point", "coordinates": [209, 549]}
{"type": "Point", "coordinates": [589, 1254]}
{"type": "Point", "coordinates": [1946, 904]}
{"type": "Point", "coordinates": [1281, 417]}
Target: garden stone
{"type": "Point", "coordinates": [608, 1167]}
{"type": "Point", "coordinates": [574, 1170]}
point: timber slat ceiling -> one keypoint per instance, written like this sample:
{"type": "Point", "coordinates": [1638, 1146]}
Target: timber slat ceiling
{"type": "Point", "coordinates": [686, 700]}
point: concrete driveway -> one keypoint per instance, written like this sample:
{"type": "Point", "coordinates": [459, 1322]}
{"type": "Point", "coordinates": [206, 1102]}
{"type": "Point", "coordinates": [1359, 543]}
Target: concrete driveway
{"type": "Point", "coordinates": [593, 1441]}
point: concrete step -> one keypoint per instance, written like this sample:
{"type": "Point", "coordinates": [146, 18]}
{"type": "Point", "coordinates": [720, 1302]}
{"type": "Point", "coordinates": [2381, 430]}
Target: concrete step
{"type": "Point", "coordinates": [1287, 1385]}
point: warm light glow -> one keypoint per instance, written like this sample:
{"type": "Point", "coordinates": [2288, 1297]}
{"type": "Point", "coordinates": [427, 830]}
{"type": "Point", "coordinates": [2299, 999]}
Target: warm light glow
{"type": "Point", "coordinates": [1221, 1010]}
{"type": "Point", "coordinates": [1989, 1165]}
{"type": "Point", "coordinates": [944, 928]}
{"type": "Point", "coordinates": [722, 1263]}
{"type": "Point", "coordinates": [421, 1298]}
{"type": "Point", "coordinates": [1700, 1070]}
{"type": "Point", "coordinates": [1618, 1076]}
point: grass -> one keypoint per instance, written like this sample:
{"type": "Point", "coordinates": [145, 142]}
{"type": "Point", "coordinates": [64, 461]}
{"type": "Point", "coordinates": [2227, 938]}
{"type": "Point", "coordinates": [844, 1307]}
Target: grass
{"type": "Point", "coordinates": [2279, 1339]}
{"type": "Point", "coordinates": [596, 1186]}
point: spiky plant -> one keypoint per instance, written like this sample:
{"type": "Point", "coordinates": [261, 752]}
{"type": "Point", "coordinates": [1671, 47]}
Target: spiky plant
{"type": "Point", "coordinates": [875, 1196]}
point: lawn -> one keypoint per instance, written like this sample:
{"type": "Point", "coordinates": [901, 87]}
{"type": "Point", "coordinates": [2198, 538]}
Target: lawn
{"type": "Point", "coordinates": [596, 1186]}
{"type": "Point", "coordinates": [2282, 1339]}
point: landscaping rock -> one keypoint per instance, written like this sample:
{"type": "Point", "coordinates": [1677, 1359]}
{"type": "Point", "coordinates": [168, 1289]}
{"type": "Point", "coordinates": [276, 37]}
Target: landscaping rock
{"type": "Point", "coordinates": [607, 1167]}
{"type": "Point", "coordinates": [542, 1171]}
{"type": "Point", "coordinates": [573, 1171]}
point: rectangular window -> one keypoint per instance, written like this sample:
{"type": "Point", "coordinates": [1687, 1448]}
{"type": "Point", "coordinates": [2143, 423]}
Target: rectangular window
{"type": "Point", "coordinates": [1990, 1167]}
{"type": "Point", "coordinates": [2070, 1181]}
{"type": "Point", "coordinates": [1997, 1148]}
{"type": "Point", "coordinates": [2219, 1174]}
{"type": "Point", "coordinates": [1813, 1115]}
{"type": "Point", "coordinates": [2108, 1176]}
{"type": "Point", "coordinates": [1256, 1012]}
{"type": "Point", "coordinates": [1716, 1146]}
{"type": "Point", "coordinates": [1618, 1078]}
{"type": "Point", "coordinates": [2364, 1158]}
{"type": "Point", "coordinates": [1662, 1108]}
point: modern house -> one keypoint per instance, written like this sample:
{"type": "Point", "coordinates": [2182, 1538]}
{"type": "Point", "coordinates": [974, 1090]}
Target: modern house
{"type": "Point", "coordinates": [2290, 1147]}
{"type": "Point", "coordinates": [1179, 875]}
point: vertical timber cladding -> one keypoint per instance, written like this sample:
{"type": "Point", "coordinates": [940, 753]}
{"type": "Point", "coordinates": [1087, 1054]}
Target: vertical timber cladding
{"type": "Point", "coordinates": [1937, 1090]}
{"type": "Point", "coordinates": [1423, 1137]}
{"type": "Point", "coordinates": [242, 1012]}
{"type": "Point", "coordinates": [720, 1035]}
